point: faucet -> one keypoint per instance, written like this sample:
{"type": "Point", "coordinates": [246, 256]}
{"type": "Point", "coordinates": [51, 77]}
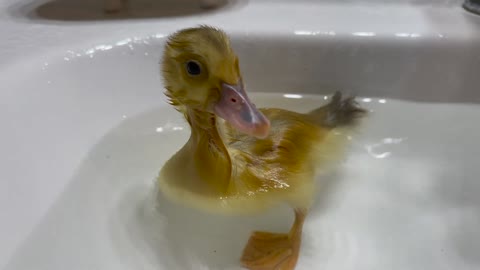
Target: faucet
{"type": "Point", "coordinates": [112, 6]}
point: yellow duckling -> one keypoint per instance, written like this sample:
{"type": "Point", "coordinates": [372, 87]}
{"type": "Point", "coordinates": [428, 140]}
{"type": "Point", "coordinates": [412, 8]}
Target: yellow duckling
{"type": "Point", "coordinates": [240, 159]}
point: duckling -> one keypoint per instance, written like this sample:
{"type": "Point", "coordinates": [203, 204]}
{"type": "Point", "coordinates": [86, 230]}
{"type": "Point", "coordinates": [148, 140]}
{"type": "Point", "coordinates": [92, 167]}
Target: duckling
{"type": "Point", "coordinates": [240, 159]}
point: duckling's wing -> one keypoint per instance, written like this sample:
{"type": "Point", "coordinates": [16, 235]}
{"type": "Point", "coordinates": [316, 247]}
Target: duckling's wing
{"type": "Point", "coordinates": [319, 137]}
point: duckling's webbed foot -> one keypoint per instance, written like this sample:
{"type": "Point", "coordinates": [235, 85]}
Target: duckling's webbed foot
{"type": "Point", "coordinates": [268, 251]}
{"type": "Point", "coordinates": [274, 251]}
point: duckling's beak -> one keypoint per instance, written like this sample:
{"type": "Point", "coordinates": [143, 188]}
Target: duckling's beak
{"type": "Point", "coordinates": [235, 107]}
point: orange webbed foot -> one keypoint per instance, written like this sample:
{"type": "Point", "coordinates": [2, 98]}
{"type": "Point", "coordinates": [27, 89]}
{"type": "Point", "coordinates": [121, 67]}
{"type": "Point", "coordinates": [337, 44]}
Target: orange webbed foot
{"type": "Point", "coordinates": [274, 251]}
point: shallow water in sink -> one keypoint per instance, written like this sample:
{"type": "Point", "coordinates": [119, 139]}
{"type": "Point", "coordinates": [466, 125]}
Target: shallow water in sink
{"type": "Point", "coordinates": [405, 198]}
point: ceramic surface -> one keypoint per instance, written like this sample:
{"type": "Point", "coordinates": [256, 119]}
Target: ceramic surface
{"type": "Point", "coordinates": [76, 96]}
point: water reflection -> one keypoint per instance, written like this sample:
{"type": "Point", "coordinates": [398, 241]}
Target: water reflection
{"type": "Point", "coordinates": [169, 127]}
{"type": "Point", "coordinates": [314, 33]}
{"type": "Point", "coordinates": [364, 34]}
{"type": "Point", "coordinates": [292, 96]}
{"type": "Point", "coordinates": [408, 35]}
{"type": "Point", "coordinates": [374, 150]}
{"type": "Point", "coordinates": [128, 42]}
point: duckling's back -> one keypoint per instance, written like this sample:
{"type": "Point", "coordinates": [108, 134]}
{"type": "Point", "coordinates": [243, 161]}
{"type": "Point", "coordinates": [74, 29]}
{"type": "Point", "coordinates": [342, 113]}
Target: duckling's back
{"type": "Point", "coordinates": [296, 139]}
{"type": "Point", "coordinates": [282, 166]}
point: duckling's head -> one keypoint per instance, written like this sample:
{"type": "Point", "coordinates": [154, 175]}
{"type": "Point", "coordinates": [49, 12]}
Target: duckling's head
{"type": "Point", "coordinates": [201, 72]}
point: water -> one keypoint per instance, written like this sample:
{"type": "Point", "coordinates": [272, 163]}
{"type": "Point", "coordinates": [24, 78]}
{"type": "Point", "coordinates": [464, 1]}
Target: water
{"type": "Point", "coordinates": [407, 197]}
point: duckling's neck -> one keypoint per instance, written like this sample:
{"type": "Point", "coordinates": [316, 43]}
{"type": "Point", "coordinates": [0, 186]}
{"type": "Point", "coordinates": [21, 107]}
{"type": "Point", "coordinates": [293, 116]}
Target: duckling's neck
{"type": "Point", "coordinates": [210, 156]}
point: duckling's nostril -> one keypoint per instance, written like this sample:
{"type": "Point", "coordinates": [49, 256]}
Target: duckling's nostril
{"type": "Point", "coordinates": [233, 100]}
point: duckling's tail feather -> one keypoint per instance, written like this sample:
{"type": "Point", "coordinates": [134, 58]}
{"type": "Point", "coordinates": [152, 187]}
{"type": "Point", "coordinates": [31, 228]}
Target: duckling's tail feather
{"type": "Point", "coordinates": [340, 112]}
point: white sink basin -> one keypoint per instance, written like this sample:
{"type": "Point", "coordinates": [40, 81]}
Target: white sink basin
{"type": "Point", "coordinates": [86, 129]}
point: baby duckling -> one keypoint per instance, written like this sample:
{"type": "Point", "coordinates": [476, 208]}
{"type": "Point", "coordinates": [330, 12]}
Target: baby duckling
{"type": "Point", "coordinates": [240, 159]}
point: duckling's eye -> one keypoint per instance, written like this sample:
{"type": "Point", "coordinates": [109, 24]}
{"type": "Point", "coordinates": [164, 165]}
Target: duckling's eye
{"type": "Point", "coordinates": [193, 68]}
